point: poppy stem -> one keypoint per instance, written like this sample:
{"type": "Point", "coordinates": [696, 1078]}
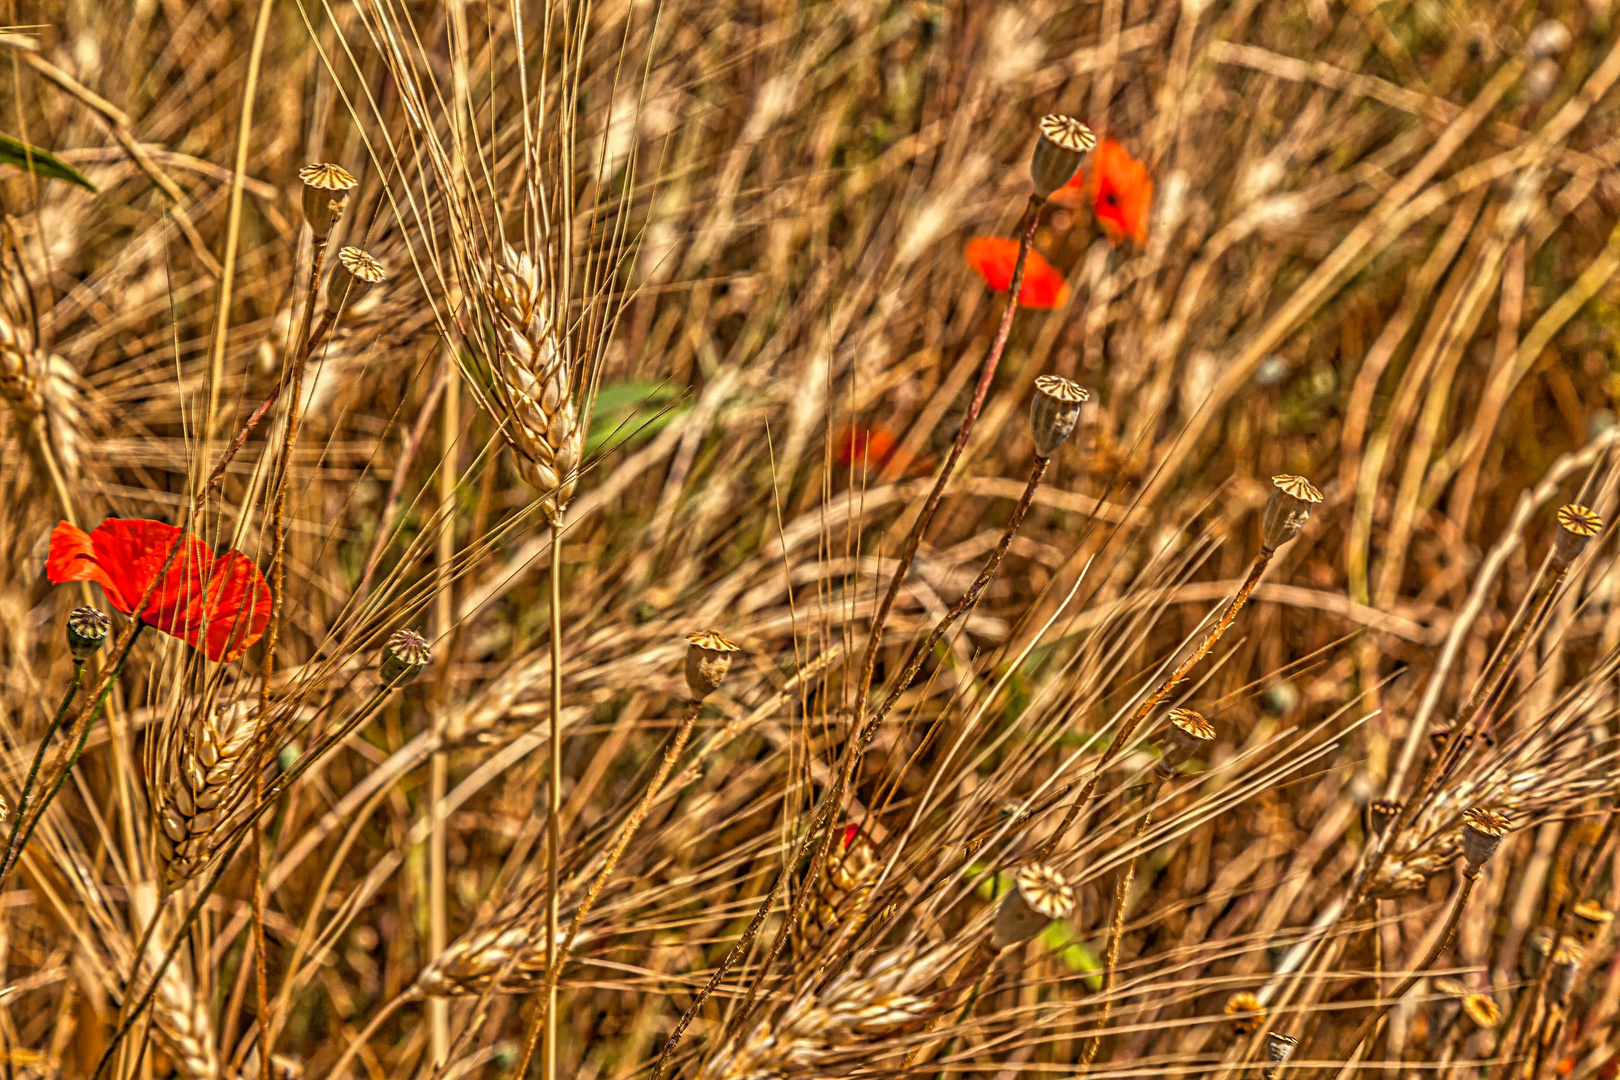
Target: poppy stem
{"type": "Point", "coordinates": [14, 852]}
{"type": "Point", "coordinates": [862, 732]}
{"type": "Point", "coordinates": [1116, 925]}
{"type": "Point", "coordinates": [39, 758]}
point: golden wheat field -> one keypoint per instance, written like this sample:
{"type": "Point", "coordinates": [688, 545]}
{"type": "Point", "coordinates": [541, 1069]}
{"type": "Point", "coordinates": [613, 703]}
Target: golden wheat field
{"type": "Point", "coordinates": [729, 540]}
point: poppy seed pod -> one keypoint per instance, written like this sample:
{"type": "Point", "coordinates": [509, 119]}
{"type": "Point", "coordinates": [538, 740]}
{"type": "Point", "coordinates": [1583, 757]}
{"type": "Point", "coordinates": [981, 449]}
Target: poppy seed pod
{"type": "Point", "coordinates": [1053, 412]}
{"type": "Point", "coordinates": [1381, 814]}
{"type": "Point", "coordinates": [1279, 1048]}
{"type": "Point", "coordinates": [326, 196]}
{"type": "Point", "coordinates": [86, 631]}
{"type": "Point", "coordinates": [1482, 831]}
{"type": "Point", "coordinates": [356, 272]}
{"type": "Point", "coordinates": [1536, 947]}
{"type": "Point", "coordinates": [404, 656]}
{"type": "Point", "coordinates": [1246, 1012]}
{"type": "Point", "coordinates": [708, 658]}
{"type": "Point", "coordinates": [1063, 142]}
{"type": "Point", "coordinates": [1287, 510]}
{"type": "Point", "coordinates": [1566, 961]}
{"type": "Point", "coordinates": [1576, 525]}
{"type": "Point", "coordinates": [1039, 895]}
{"type": "Point", "coordinates": [1189, 733]}
{"type": "Point", "coordinates": [1482, 1010]}
{"type": "Point", "coordinates": [1591, 918]}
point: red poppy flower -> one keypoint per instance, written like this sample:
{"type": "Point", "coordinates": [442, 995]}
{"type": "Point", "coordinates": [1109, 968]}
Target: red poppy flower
{"type": "Point", "coordinates": [876, 450]}
{"type": "Point", "coordinates": [1120, 189]}
{"type": "Point", "coordinates": [228, 596]}
{"type": "Point", "coordinates": [993, 257]}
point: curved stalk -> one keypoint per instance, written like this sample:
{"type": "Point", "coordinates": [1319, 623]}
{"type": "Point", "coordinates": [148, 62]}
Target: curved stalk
{"type": "Point", "coordinates": [1116, 925]}
{"type": "Point", "coordinates": [39, 757]}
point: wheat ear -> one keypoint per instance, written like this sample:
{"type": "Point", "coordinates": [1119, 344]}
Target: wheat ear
{"type": "Point", "coordinates": [197, 797]}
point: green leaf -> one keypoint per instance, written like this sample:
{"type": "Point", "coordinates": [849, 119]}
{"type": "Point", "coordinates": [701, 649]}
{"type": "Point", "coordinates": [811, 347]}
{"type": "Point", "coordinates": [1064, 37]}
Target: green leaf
{"type": "Point", "coordinates": [1074, 953]}
{"type": "Point", "coordinates": [20, 155]}
{"type": "Point", "coordinates": [632, 411]}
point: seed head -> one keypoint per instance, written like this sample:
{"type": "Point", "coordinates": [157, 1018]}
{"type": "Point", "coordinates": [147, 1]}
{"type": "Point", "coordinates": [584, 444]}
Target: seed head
{"type": "Point", "coordinates": [1279, 1048]}
{"type": "Point", "coordinates": [1063, 143]}
{"type": "Point", "coordinates": [326, 196]}
{"type": "Point", "coordinates": [1482, 1010]}
{"type": "Point", "coordinates": [708, 657]}
{"type": "Point", "coordinates": [356, 272]}
{"type": "Point", "coordinates": [1576, 526]}
{"type": "Point", "coordinates": [86, 631]}
{"type": "Point", "coordinates": [1039, 895]}
{"type": "Point", "coordinates": [1381, 814]}
{"type": "Point", "coordinates": [1188, 734]}
{"type": "Point", "coordinates": [404, 656]}
{"type": "Point", "coordinates": [1536, 948]}
{"type": "Point", "coordinates": [1246, 1012]}
{"type": "Point", "coordinates": [1287, 510]}
{"type": "Point", "coordinates": [1482, 831]}
{"type": "Point", "coordinates": [1566, 961]}
{"type": "Point", "coordinates": [1592, 917]}
{"type": "Point", "coordinates": [1053, 412]}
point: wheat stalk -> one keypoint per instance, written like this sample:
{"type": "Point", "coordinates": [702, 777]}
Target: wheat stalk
{"type": "Point", "coordinates": [198, 797]}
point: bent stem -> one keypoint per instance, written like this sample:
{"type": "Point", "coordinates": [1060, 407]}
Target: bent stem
{"type": "Point", "coordinates": [547, 1021]}
{"type": "Point", "coordinates": [638, 815]}
{"type": "Point", "coordinates": [1116, 925]}
{"type": "Point", "coordinates": [1160, 692]}
{"type": "Point", "coordinates": [863, 731]}
{"type": "Point", "coordinates": [39, 758]}
{"type": "Point", "coordinates": [1458, 902]}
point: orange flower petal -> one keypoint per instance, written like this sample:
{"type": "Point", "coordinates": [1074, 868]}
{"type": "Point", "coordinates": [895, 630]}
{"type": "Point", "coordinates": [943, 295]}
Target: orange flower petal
{"type": "Point", "coordinates": [1121, 193]}
{"type": "Point", "coordinates": [72, 557]}
{"type": "Point", "coordinates": [993, 259]}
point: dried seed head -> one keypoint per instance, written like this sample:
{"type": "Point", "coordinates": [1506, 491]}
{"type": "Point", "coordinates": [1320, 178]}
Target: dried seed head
{"type": "Point", "coordinates": [1279, 1048]}
{"type": "Point", "coordinates": [1063, 142]}
{"type": "Point", "coordinates": [87, 631]}
{"type": "Point", "coordinates": [1576, 526]}
{"type": "Point", "coordinates": [708, 658]}
{"type": "Point", "coordinates": [356, 271]}
{"type": "Point", "coordinates": [404, 656]}
{"type": "Point", "coordinates": [1381, 814]}
{"type": "Point", "coordinates": [1287, 510]}
{"type": "Point", "coordinates": [1188, 734]}
{"type": "Point", "coordinates": [1039, 895]}
{"type": "Point", "coordinates": [1536, 948]}
{"type": "Point", "coordinates": [1592, 918]}
{"type": "Point", "coordinates": [1566, 961]}
{"type": "Point", "coordinates": [1053, 412]}
{"type": "Point", "coordinates": [1548, 39]}
{"type": "Point", "coordinates": [326, 196]}
{"type": "Point", "coordinates": [1245, 1012]}
{"type": "Point", "coordinates": [1482, 1010]}
{"type": "Point", "coordinates": [1482, 831]}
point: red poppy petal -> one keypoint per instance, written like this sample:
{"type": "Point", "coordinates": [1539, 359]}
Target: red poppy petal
{"type": "Point", "coordinates": [133, 550]}
{"type": "Point", "coordinates": [72, 557]}
{"type": "Point", "coordinates": [993, 259]}
{"type": "Point", "coordinates": [236, 605]}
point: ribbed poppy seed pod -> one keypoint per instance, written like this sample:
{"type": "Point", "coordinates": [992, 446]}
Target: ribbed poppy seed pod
{"type": "Point", "coordinates": [1246, 1012]}
{"type": "Point", "coordinates": [326, 196]}
{"type": "Point", "coordinates": [1566, 961]}
{"type": "Point", "coordinates": [1381, 814]}
{"type": "Point", "coordinates": [356, 272]}
{"type": "Point", "coordinates": [87, 630]}
{"type": "Point", "coordinates": [1279, 1048]}
{"type": "Point", "coordinates": [1063, 143]}
{"type": "Point", "coordinates": [1482, 1010]}
{"type": "Point", "coordinates": [1039, 895]}
{"type": "Point", "coordinates": [1536, 948]}
{"type": "Point", "coordinates": [1287, 510]}
{"type": "Point", "coordinates": [1482, 831]}
{"type": "Point", "coordinates": [1576, 526]}
{"type": "Point", "coordinates": [1591, 918]}
{"type": "Point", "coordinates": [708, 658]}
{"type": "Point", "coordinates": [1188, 734]}
{"type": "Point", "coordinates": [1053, 412]}
{"type": "Point", "coordinates": [404, 656]}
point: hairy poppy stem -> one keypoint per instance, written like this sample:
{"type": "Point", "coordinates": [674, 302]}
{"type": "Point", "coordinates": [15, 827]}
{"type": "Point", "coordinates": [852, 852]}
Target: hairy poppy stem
{"type": "Point", "coordinates": [39, 758]}
{"type": "Point", "coordinates": [1116, 926]}
{"type": "Point", "coordinates": [1160, 692]}
{"type": "Point", "coordinates": [14, 851]}
{"type": "Point", "coordinates": [672, 752]}
{"type": "Point", "coordinates": [862, 733]}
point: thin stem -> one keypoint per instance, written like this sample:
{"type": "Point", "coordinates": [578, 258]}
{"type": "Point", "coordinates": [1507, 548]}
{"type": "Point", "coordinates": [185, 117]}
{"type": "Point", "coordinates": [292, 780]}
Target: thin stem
{"type": "Point", "coordinates": [1116, 925]}
{"type": "Point", "coordinates": [1160, 692]}
{"type": "Point", "coordinates": [548, 999]}
{"type": "Point", "coordinates": [638, 815]}
{"type": "Point", "coordinates": [1458, 902]}
{"type": "Point", "coordinates": [39, 757]}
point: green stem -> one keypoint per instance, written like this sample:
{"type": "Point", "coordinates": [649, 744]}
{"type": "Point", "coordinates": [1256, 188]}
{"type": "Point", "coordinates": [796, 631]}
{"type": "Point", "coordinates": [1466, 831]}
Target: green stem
{"type": "Point", "coordinates": [39, 758]}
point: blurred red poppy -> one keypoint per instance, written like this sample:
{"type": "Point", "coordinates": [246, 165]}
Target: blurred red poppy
{"type": "Point", "coordinates": [875, 449]}
{"type": "Point", "coordinates": [993, 258]}
{"type": "Point", "coordinates": [227, 596]}
{"type": "Point", "coordinates": [1120, 190]}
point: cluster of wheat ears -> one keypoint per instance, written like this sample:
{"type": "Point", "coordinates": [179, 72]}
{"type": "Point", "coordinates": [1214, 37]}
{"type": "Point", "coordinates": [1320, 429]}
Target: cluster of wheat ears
{"type": "Point", "coordinates": [681, 622]}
